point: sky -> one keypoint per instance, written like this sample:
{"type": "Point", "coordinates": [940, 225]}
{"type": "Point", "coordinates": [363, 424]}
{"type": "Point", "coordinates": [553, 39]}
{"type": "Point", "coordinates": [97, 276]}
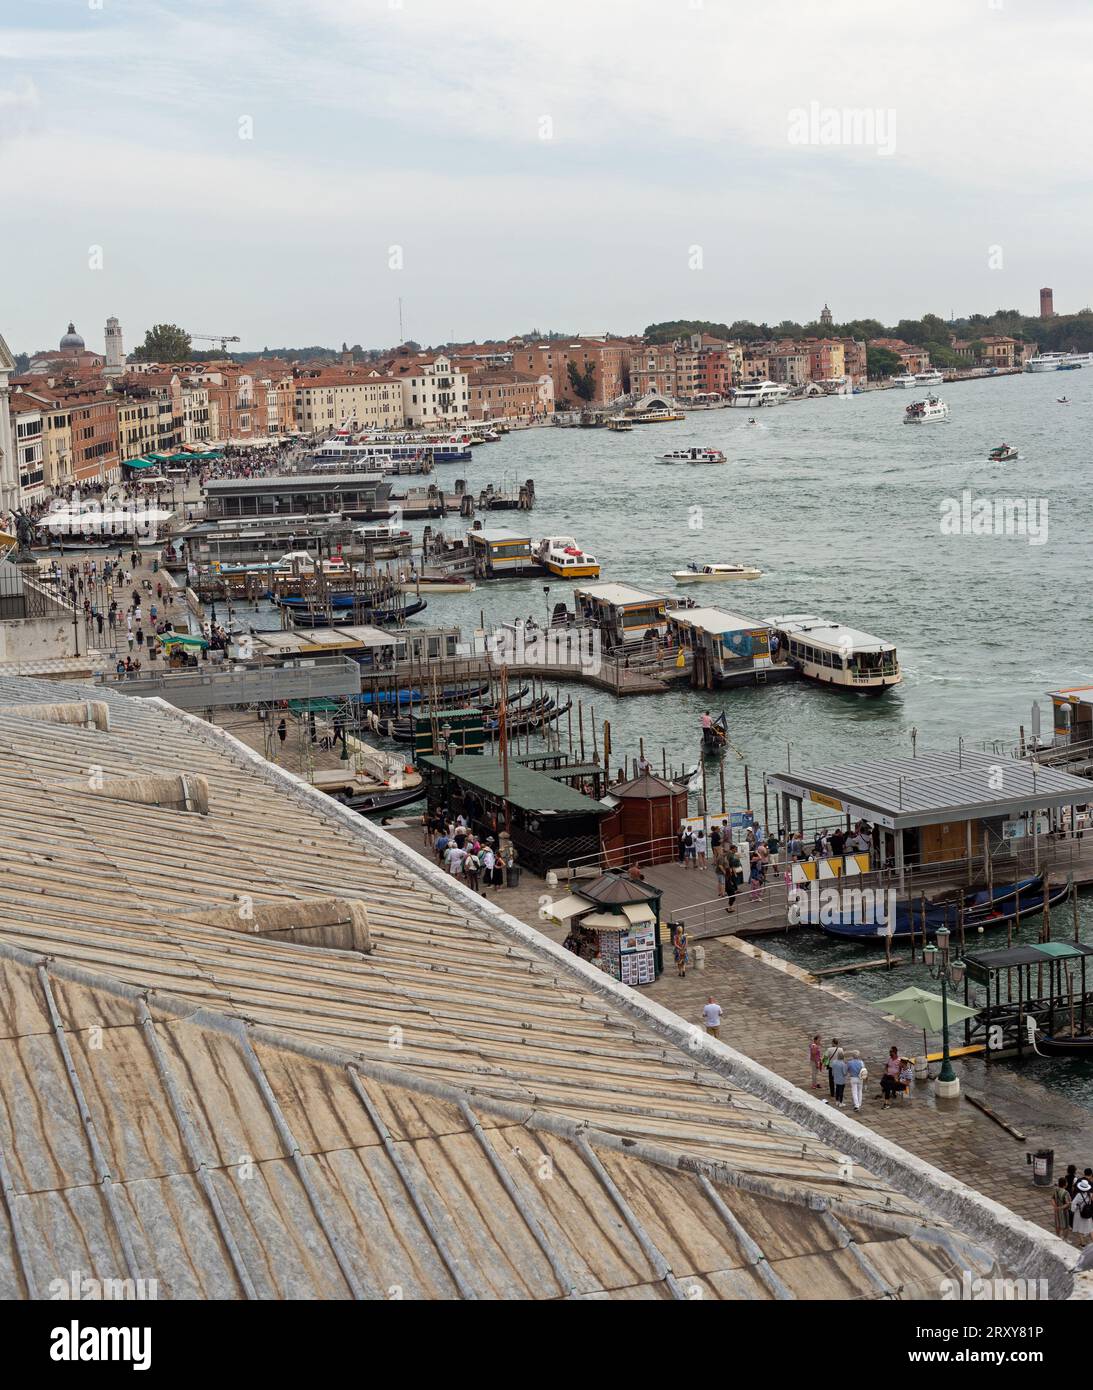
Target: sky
{"type": "Point", "coordinates": [289, 170]}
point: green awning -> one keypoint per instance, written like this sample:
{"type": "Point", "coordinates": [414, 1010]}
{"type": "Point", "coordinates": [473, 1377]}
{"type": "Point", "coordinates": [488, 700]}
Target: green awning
{"type": "Point", "coordinates": [139, 463]}
{"type": "Point", "coordinates": [183, 638]}
{"type": "Point", "coordinates": [316, 706]}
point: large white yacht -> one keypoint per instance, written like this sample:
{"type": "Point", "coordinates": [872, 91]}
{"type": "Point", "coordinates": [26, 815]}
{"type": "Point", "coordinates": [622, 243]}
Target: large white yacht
{"type": "Point", "coordinates": [907, 382]}
{"type": "Point", "coordinates": [931, 378]}
{"type": "Point", "coordinates": [759, 393]}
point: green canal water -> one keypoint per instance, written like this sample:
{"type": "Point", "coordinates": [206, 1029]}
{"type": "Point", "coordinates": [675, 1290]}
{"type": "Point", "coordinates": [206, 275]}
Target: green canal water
{"type": "Point", "coordinates": [840, 504]}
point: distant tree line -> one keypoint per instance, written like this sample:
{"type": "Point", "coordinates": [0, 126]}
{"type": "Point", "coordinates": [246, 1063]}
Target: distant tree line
{"type": "Point", "coordinates": [1064, 332]}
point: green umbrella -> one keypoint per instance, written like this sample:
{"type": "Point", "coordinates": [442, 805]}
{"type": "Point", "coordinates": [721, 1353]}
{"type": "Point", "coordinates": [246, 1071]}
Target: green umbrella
{"type": "Point", "coordinates": [923, 1010]}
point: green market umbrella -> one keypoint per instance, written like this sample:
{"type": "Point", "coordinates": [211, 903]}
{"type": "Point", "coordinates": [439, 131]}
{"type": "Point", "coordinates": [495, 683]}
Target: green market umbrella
{"type": "Point", "coordinates": [922, 1010]}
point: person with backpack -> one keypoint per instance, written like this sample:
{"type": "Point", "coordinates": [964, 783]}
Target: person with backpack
{"type": "Point", "coordinates": [688, 849]}
{"type": "Point", "coordinates": [1081, 1211]}
{"type": "Point", "coordinates": [471, 866]}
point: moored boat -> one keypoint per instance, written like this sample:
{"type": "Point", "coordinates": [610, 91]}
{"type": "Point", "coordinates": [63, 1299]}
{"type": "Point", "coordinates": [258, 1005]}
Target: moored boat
{"type": "Point", "coordinates": [563, 557]}
{"type": "Point", "coordinates": [1003, 905]}
{"type": "Point", "coordinates": [619, 424]}
{"type": "Point", "coordinates": [838, 656]}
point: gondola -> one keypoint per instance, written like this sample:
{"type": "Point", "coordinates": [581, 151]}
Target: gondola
{"type": "Point", "coordinates": [717, 735]}
{"type": "Point", "coordinates": [1005, 904]}
{"type": "Point", "coordinates": [304, 616]}
{"type": "Point", "coordinates": [449, 695]}
{"type": "Point", "coordinates": [370, 802]}
{"type": "Point", "coordinates": [1081, 1046]}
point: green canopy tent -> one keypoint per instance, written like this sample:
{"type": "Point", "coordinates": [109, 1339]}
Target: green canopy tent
{"type": "Point", "coordinates": [139, 463]}
{"type": "Point", "coordinates": [922, 1010]}
{"type": "Point", "coordinates": [183, 639]}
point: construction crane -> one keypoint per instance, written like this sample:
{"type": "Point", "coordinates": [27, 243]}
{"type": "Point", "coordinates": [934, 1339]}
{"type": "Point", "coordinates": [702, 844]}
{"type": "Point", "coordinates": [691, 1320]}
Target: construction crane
{"type": "Point", "coordinates": [222, 338]}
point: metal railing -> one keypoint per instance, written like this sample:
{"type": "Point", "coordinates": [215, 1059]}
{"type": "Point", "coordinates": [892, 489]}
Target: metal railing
{"type": "Point", "coordinates": [211, 687]}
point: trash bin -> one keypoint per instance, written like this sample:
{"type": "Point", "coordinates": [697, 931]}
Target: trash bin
{"type": "Point", "coordinates": [1043, 1164]}
{"type": "Point", "coordinates": [512, 876]}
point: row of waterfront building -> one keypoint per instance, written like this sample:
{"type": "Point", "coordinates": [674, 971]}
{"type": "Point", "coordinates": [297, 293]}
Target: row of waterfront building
{"type": "Point", "coordinates": [76, 416]}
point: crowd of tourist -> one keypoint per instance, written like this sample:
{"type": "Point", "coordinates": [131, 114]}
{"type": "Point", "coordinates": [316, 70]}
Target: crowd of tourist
{"type": "Point", "coordinates": [476, 860]}
{"type": "Point", "coordinates": [846, 1069]}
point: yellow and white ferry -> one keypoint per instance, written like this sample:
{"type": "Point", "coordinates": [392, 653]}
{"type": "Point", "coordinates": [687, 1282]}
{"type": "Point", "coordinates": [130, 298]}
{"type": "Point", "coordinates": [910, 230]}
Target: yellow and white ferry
{"type": "Point", "coordinates": [835, 655]}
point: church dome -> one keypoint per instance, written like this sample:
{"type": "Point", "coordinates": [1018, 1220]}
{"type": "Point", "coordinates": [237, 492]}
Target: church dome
{"type": "Point", "coordinates": [72, 342]}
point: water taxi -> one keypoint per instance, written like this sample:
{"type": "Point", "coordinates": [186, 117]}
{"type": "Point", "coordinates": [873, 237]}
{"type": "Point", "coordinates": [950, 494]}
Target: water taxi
{"type": "Point", "coordinates": [906, 382]}
{"type": "Point", "coordinates": [834, 655]}
{"type": "Point", "coordinates": [925, 412]}
{"type": "Point", "coordinates": [1002, 453]}
{"type": "Point", "coordinates": [692, 456]}
{"type": "Point", "coordinates": [620, 424]}
{"type": "Point", "coordinates": [562, 556]}
{"type": "Point", "coordinates": [931, 378]}
{"type": "Point", "coordinates": [757, 394]}
{"type": "Point", "coordinates": [715, 574]}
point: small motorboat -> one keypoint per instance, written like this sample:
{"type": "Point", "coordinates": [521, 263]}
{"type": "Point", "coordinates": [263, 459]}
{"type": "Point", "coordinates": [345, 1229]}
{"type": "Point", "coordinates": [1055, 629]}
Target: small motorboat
{"type": "Point", "coordinates": [1062, 400]}
{"type": "Point", "coordinates": [715, 574]}
{"type": "Point", "coordinates": [564, 558]}
{"type": "Point", "coordinates": [692, 456]}
{"type": "Point", "coordinates": [1002, 453]}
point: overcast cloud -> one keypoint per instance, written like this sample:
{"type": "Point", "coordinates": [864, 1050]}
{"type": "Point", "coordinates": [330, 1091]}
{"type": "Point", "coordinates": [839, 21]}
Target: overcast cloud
{"type": "Point", "coordinates": [587, 164]}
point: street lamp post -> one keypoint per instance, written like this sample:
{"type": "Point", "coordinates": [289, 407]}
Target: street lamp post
{"type": "Point", "coordinates": [948, 972]}
{"type": "Point", "coordinates": [446, 749]}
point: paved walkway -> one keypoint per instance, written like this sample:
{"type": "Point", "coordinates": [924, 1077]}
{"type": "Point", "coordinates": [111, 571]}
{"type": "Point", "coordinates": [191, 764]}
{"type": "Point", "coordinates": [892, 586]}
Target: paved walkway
{"type": "Point", "coordinates": [771, 1013]}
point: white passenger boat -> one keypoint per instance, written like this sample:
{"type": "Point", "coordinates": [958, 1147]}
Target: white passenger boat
{"type": "Point", "coordinates": [562, 556]}
{"type": "Point", "coordinates": [757, 394]}
{"type": "Point", "coordinates": [619, 424]}
{"type": "Point", "coordinates": [1046, 362]}
{"type": "Point", "coordinates": [925, 412]}
{"type": "Point", "coordinates": [931, 378]}
{"type": "Point", "coordinates": [906, 382]}
{"type": "Point", "coordinates": [692, 456]}
{"type": "Point", "coordinates": [715, 574]}
{"type": "Point", "coordinates": [834, 655]}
